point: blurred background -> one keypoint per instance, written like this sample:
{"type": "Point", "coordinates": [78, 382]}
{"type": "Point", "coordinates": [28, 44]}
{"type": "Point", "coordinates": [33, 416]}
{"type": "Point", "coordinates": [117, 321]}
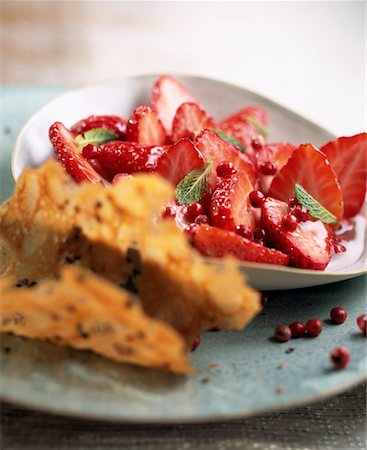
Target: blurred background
{"type": "Point", "coordinates": [309, 56]}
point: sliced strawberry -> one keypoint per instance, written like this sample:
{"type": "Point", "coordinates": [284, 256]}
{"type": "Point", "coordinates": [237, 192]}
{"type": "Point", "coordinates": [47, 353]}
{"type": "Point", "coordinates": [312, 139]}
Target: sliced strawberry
{"type": "Point", "coordinates": [230, 205]}
{"type": "Point", "coordinates": [309, 246]}
{"type": "Point", "coordinates": [145, 128]}
{"type": "Point", "coordinates": [113, 123]}
{"type": "Point", "coordinates": [216, 149]}
{"type": "Point", "coordinates": [68, 154]}
{"type": "Point", "coordinates": [241, 126]}
{"type": "Point", "coordinates": [347, 157]}
{"type": "Point", "coordinates": [180, 159]}
{"type": "Point", "coordinates": [309, 167]}
{"type": "Point", "coordinates": [125, 157]}
{"type": "Point", "coordinates": [277, 154]}
{"type": "Point", "coordinates": [188, 120]}
{"type": "Point", "coordinates": [167, 95]}
{"type": "Point", "coordinates": [215, 242]}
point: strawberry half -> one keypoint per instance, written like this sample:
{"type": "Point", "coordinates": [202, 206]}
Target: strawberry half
{"type": "Point", "coordinates": [180, 159]}
{"type": "Point", "coordinates": [216, 149]}
{"type": "Point", "coordinates": [167, 95]}
{"type": "Point", "coordinates": [241, 126]}
{"type": "Point", "coordinates": [124, 157]}
{"type": "Point", "coordinates": [189, 119]}
{"type": "Point", "coordinates": [310, 168]}
{"type": "Point", "coordinates": [145, 128]}
{"type": "Point", "coordinates": [230, 205]}
{"type": "Point", "coordinates": [215, 242]}
{"type": "Point", "coordinates": [113, 123]}
{"type": "Point", "coordinates": [309, 246]}
{"type": "Point", "coordinates": [347, 157]}
{"type": "Point", "coordinates": [278, 154]}
{"type": "Point", "coordinates": [69, 155]}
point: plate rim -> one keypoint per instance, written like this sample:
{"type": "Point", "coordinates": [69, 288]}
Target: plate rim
{"type": "Point", "coordinates": [305, 400]}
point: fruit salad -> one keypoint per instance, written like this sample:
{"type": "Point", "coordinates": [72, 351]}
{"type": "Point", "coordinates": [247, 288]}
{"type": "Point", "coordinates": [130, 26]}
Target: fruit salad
{"type": "Point", "coordinates": [237, 192]}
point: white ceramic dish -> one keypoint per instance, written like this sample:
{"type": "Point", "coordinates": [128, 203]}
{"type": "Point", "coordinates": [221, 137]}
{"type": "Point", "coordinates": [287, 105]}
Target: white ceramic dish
{"type": "Point", "coordinates": [32, 147]}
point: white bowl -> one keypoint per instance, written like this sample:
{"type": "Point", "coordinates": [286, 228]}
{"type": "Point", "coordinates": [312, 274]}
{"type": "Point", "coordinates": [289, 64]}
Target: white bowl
{"type": "Point", "coordinates": [220, 99]}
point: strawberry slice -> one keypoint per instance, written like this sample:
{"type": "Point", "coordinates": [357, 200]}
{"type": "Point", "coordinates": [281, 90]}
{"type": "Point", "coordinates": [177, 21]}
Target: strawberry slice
{"type": "Point", "coordinates": [124, 157]}
{"type": "Point", "coordinates": [113, 123]}
{"type": "Point", "coordinates": [347, 157]}
{"type": "Point", "coordinates": [246, 125]}
{"type": "Point", "coordinates": [180, 159]}
{"type": "Point", "coordinates": [216, 149]}
{"type": "Point", "coordinates": [309, 246]}
{"type": "Point", "coordinates": [188, 120]}
{"type": "Point", "coordinates": [69, 155]}
{"type": "Point", "coordinates": [145, 128]}
{"type": "Point", "coordinates": [215, 242]}
{"type": "Point", "coordinates": [230, 204]}
{"type": "Point", "coordinates": [276, 154]}
{"type": "Point", "coordinates": [309, 167]}
{"type": "Point", "coordinates": [167, 95]}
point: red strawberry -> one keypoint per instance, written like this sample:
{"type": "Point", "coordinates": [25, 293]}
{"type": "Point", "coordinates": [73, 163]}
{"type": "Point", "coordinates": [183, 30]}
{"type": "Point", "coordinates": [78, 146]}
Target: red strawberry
{"type": "Point", "coordinates": [278, 155]}
{"type": "Point", "coordinates": [180, 159]}
{"type": "Point", "coordinates": [309, 167]}
{"type": "Point", "coordinates": [212, 241]}
{"type": "Point", "coordinates": [69, 155]}
{"type": "Point", "coordinates": [167, 95]}
{"type": "Point", "coordinates": [124, 157]}
{"type": "Point", "coordinates": [347, 157]}
{"type": "Point", "coordinates": [230, 205]}
{"type": "Point", "coordinates": [216, 149]}
{"type": "Point", "coordinates": [309, 245]}
{"type": "Point", "coordinates": [145, 128]}
{"type": "Point", "coordinates": [240, 126]}
{"type": "Point", "coordinates": [190, 118]}
{"type": "Point", "coordinates": [113, 123]}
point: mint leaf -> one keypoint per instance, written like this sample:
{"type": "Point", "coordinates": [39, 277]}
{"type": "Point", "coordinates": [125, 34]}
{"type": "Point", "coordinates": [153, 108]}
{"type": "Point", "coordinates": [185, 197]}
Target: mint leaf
{"type": "Point", "coordinates": [230, 139]}
{"type": "Point", "coordinates": [96, 136]}
{"type": "Point", "coordinates": [315, 208]}
{"type": "Point", "coordinates": [194, 185]}
{"type": "Point", "coordinates": [259, 126]}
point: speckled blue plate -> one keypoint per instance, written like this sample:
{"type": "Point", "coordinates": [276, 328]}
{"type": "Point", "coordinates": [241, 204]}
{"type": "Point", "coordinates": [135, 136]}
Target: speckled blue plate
{"type": "Point", "coordinates": [239, 373]}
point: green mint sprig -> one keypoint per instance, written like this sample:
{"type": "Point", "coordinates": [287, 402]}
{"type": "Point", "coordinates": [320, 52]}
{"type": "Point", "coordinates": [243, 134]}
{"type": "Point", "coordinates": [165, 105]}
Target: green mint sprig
{"type": "Point", "coordinates": [96, 136]}
{"type": "Point", "coordinates": [315, 208]}
{"type": "Point", "coordinates": [194, 185]}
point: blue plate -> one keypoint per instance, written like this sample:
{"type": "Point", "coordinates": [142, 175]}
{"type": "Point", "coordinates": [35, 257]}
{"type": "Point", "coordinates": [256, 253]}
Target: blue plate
{"type": "Point", "coordinates": [239, 373]}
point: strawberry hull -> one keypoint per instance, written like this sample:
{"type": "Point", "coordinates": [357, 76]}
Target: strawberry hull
{"type": "Point", "coordinates": [309, 246]}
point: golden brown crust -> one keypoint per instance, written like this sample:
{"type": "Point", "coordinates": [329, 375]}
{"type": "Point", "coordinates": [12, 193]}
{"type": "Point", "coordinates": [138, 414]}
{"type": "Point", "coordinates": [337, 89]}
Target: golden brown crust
{"type": "Point", "coordinates": [179, 287]}
{"type": "Point", "coordinates": [50, 222]}
{"type": "Point", "coordinates": [84, 311]}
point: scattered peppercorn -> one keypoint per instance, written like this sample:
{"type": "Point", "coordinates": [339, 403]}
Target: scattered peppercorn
{"type": "Point", "coordinates": [282, 333]}
{"type": "Point", "coordinates": [313, 327]}
{"type": "Point", "coordinates": [196, 343]}
{"type": "Point", "coordinates": [338, 315]}
{"type": "Point", "coordinates": [362, 323]}
{"type": "Point", "coordinates": [297, 329]}
{"type": "Point", "coordinates": [340, 357]}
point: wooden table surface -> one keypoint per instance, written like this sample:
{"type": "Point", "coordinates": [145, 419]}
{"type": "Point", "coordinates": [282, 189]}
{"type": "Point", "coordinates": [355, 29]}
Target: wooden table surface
{"type": "Point", "coordinates": [337, 423]}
